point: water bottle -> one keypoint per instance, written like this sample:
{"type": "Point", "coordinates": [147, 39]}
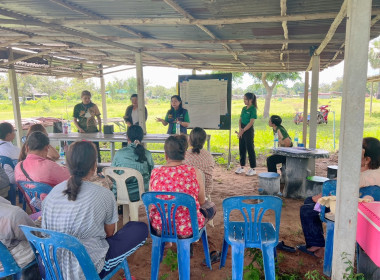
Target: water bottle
{"type": "Point", "coordinates": [64, 128]}
{"type": "Point", "coordinates": [296, 140]}
{"type": "Point", "coordinates": [68, 127]}
{"type": "Point", "coordinates": [275, 142]}
{"type": "Point", "coordinates": [61, 153]}
{"type": "Point", "coordinates": [177, 128]}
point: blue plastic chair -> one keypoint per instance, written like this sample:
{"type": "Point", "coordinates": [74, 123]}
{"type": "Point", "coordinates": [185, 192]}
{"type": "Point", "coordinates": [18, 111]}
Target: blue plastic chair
{"type": "Point", "coordinates": [252, 232]}
{"type": "Point", "coordinates": [12, 191]}
{"type": "Point", "coordinates": [35, 189]}
{"type": "Point", "coordinates": [9, 264]}
{"type": "Point", "coordinates": [329, 188]}
{"type": "Point", "coordinates": [46, 243]}
{"type": "Point", "coordinates": [373, 191]}
{"type": "Point", "coordinates": [169, 232]}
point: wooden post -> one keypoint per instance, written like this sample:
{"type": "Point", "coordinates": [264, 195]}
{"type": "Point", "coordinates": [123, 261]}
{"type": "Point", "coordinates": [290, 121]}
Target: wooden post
{"type": "Point", "coordinates": [314, 102]}
{"type": "Point", "coordinates": [370, 104]}
{"type": "Point", "coordinates": [104, 97]}
{"type": "Point", "coordinates": [305, 108]}
{"type": "Point", "coordinates": [351, 131]}
{"type": "Point", "coordinates": [15, 99]}
{"type": "Point", "coordinates": [140, 90]}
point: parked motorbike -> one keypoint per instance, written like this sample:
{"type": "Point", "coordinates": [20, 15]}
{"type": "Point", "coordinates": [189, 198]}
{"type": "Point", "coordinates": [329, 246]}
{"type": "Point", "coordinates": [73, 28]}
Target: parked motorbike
{"type": "Point", "coordinates": [322, 115]}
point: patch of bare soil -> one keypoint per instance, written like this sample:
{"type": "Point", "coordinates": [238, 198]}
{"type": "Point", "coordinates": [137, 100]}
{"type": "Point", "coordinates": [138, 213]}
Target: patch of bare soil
{"type": "Point", "coordinates": [227, 184]}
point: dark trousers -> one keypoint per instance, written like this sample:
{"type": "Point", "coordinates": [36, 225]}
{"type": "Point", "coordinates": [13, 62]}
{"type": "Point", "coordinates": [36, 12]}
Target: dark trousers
{"type": "Point", "coordinates": [311, 224]}
{"type": "Point", "coordinates": [124, 243]}
{"type": "Point", "coordinates": [273, 160]}
{"type": "Point", "coordinates": [98, 150]}
{"type": "Point", "coordinates": [246, 143]}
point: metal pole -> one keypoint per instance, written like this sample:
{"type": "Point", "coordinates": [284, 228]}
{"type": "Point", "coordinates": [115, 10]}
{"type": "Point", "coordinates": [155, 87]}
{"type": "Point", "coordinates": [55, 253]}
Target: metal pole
{"type": "Point", "coordinates": [370, 104]}
{"type": "Point", "coordinates": [140, 90]}
{"type": "Point", "coordinates": [15, 99]}
{"type": "Point", "coordinates": [351, 131]}
{"type": "Point", "coordinates": [314, 102]}
{"type": "Point", "coordinates": [103, 93]}
{"type": "Point", "coordinates": [305, 108]}
{"type": "Point", "coordinates": [334, 128]}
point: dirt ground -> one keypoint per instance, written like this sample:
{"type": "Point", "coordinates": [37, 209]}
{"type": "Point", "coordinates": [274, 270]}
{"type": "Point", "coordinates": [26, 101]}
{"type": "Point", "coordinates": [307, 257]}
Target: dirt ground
{"type": "Point", "coordinates": [226, 184]}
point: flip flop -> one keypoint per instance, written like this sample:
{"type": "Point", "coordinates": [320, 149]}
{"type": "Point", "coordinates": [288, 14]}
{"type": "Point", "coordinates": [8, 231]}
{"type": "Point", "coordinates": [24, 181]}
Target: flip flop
{"type": "Point", "coordinates": [281, 246]}
{"type": "Point", "coordinates": [214, 258]}
{"type": "Point", "coordinates": [303, 249]}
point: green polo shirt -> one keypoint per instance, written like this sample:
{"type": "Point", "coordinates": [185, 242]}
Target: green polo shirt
{"type": "Point", "coordinates": [248, 114]}
{"type": "Point", "coordinates": [283, 132]}
{"type": "Point", "coordinates": [185, 119]}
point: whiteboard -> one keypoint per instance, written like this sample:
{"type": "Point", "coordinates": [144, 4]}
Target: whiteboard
{"type": "Point", "coordinates": [206, 99]}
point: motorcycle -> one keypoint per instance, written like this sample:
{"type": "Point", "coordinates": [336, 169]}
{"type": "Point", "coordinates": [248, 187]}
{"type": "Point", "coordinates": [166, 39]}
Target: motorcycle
{"type": "Point", "coordinates": [322, 115]}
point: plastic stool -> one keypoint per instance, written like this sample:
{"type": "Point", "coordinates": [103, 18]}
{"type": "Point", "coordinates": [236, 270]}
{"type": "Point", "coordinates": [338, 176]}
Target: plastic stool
{"type": "Point", "coordinates": [314, 185]}
{"type": "Point", "coordinates": [269, 182]}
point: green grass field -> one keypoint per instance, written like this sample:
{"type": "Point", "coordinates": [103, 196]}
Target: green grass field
{"type": "Point", "coordinates": [286, 108]}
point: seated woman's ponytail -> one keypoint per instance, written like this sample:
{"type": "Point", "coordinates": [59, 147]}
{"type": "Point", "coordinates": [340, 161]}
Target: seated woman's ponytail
{"type": "Point", "coordinates": [135, 134]}
{"type": "Point", "coordinates": [197, 139]}
{"type": "Point", "coordinates": [81, 161]}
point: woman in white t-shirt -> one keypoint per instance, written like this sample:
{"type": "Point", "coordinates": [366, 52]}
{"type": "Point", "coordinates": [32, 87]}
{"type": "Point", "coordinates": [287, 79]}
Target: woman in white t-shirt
{"type": "Point", "coordinates": [7, 149]}
{"type": "Point", "coordinates": [89, 212]}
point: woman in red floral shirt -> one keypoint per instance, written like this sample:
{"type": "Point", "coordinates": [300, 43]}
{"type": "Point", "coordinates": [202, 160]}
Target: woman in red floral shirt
{"type": "Point", "coordinates": [178, 177]}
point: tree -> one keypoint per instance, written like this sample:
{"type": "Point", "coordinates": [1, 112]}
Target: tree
{"type": "Point", "coordinates": [374, 60]}
{"type": "Point", "coordinates": [298, 88]}
{"type": "Point", "coordinates": [275, 78]}
{"type": "Point", "coordinates": [337, 85]}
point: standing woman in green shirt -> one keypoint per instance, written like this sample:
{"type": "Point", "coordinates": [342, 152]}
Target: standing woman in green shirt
{"type": "Point", "coordinates": [246, 134]}
{"type": "Point", "coordinates": [84, 117]}
{"type": "Point", "coordinates": [176, 114]}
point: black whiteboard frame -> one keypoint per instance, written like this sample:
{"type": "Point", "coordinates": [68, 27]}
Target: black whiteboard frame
{"type": "Point", "coordinates": [224, 120]}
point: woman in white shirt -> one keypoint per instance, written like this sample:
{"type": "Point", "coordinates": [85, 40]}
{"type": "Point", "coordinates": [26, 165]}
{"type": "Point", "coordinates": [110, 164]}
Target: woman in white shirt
{"type": "Point", "coordinates": [7, 149]}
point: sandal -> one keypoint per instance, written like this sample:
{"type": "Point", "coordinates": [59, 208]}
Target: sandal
{"type": "Point", "coordinates": [214, 258]}
{"type": "Point", "coordinates": [303, 249]}
{"type": "Point", "coordinates": [281, 246]}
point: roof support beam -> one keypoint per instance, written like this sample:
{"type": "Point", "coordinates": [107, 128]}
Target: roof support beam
{"type": "Point", "coordinates": [338, 19]}
{"type": "Point", "coordinates": [185, 21]}
{"type": "Point", "coordinates": [15, 100]}
{"type": "Point", "coordinates": [78, 33]}
{"type": "Point", "coordinates": [314, 102]}
{"type": "Point", "coordinates": [286, 32]}
{"type": "Point", "coordinates": [177, 8]}
{"type": "Point", "coordinates": [140, 91]}
{"type": "Point", "coordinates": [103, 93]}
{"type": "Point", "coordinates": [351, 131]}
{"type": "Point", "coordinates": [31, 56]}
{"type": "Point", "coordinates": [219, 41]}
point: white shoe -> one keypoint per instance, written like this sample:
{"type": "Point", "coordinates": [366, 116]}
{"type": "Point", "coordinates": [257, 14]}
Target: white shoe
{"type": "Point", "coordinates": [239, 170]}
{"type": "Point", "coordinates": [251, 172]}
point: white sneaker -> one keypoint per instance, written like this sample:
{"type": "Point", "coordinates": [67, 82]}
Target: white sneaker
{"type": "Point", "coordinates": [251, 172]}
{"type": "Point", "coordinates": [239, 170]}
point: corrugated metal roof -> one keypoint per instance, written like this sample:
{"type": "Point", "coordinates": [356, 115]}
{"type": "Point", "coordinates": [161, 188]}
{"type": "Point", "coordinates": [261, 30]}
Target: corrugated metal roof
{"type": "Point", "coordinates": [73, 37]}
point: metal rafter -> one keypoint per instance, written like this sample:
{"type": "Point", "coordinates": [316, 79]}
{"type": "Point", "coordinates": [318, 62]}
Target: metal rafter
{"type": "Point", "coordinates": [286, 32]}
{"type": "Point", "coordinates": [338, 19]}
{"type": "Point", "coordinates": [96, 16]}
{"type": "Point", "coordinates": [79, 34]}
{"type": "Point", "coordinates": [179, 9]}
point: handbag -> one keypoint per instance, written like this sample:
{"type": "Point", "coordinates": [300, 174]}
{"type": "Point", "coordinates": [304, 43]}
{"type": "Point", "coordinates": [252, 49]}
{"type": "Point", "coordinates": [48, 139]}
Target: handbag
{"type": "Point", "coordinates": [208, 209]}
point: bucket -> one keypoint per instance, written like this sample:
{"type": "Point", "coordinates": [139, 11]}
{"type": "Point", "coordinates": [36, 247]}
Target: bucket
{"type": "Point", "coordinates": [269, 182]}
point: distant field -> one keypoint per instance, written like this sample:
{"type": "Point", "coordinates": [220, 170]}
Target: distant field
{"type": "Point", "coordinates": [286, 108]}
